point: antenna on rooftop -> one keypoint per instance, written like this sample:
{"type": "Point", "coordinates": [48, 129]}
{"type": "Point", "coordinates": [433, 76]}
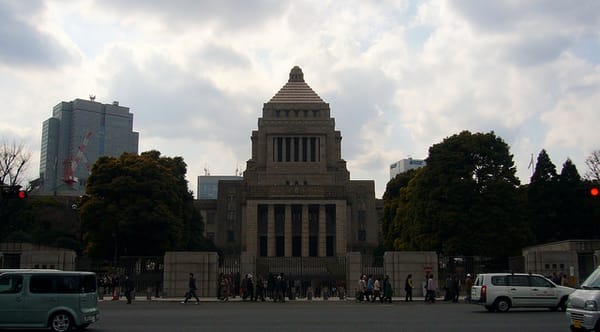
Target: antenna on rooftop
{"type": "Point", "coordinates": [92, 97]}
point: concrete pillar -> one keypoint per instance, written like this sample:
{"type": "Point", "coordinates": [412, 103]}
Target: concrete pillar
{"type": "Point", "coordinates": [251, 227]}
{"type": "Point", "coordinates": [304, 230]}
{"type": "Point", "coordinates": [340, 228]}
{"type": "Point", "coordinates": [271, 231]}
{"type": "Point", "coordinates": [288, 231]}
{"type": "Point", "coordinates": [322, 232]}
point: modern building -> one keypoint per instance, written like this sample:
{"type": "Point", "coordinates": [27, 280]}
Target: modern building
{"type": "Point", "coordinates": [405, 165]}
{"type": "Point", "coordinates": [296, 198]}
{"type": "Point", "coordinates": [77, 134]}
{"type": "Point", "coordinates": [208, 185]}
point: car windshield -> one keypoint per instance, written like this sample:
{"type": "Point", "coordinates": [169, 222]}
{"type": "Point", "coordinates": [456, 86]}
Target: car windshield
{"type": "Point", "coordinates": [593, 281]}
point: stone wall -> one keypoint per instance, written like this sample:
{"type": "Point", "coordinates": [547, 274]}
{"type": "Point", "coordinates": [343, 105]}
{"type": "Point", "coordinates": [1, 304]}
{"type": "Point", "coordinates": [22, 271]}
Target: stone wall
{"type": "Point", "coordinates": [178, 265]}
{"type": "Point", "coordinates": [399, 264]}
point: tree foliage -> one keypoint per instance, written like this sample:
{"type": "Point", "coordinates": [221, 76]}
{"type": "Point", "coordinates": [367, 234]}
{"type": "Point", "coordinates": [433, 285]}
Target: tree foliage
{"type": "Point", "coordinates": [139, 205]}
{"type": "Point", "coordinates": [465, 201]}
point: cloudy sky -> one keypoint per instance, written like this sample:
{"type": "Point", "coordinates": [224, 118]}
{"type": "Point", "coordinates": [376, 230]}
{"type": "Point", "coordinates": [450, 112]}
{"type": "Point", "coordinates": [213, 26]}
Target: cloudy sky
{"type": "Point", "coordinates": [399, 75]}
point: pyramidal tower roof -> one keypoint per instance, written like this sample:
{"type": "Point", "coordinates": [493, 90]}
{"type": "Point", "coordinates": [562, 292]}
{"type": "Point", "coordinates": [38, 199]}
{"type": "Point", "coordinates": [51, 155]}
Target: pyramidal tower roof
{"type": "Point", "coordinates": [296, 90]}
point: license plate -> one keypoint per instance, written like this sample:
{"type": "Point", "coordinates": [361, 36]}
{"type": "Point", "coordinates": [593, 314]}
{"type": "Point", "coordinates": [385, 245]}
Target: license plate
{"type": "Point", "coordinates": [577, 324]}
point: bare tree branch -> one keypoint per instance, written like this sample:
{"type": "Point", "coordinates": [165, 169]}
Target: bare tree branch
{"type": "Point", "coordinates": [14, 161]}
{"type": "Point", "coordinates": [593, 164]}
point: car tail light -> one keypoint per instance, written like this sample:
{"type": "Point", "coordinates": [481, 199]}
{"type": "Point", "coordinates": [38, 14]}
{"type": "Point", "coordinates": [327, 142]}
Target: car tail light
{"type": "Point", "coordinates": [482, 297]}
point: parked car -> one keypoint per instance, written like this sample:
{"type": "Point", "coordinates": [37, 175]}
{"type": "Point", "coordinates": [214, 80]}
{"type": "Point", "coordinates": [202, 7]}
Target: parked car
{"type": "Point", "coordinates": [583, 309]}
{"type": "Point", "coordinates": [59, 300]}
{"type": "Point", "coordinates": [502, 291]}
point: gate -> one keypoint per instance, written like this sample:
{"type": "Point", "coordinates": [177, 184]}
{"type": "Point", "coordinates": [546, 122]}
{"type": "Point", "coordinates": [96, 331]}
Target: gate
{"type": "Point", "coordinates": [304, 273]}
{"type": "Point", "coordinates": [146, 272]}
{"type": "Point", "coordinates": [230, 265]}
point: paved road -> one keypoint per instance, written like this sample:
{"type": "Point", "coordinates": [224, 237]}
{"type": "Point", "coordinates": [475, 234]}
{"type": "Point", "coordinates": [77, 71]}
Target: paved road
{"type": "Point", "coordinates": [339, 316]}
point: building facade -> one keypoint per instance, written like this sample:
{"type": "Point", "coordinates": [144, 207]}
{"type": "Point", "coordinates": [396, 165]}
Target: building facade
{"type": "Point", "coordinates": [405, 165]}
{"type": "Point", "coordinates": [77, 134]}
{"type": "Point", "coordinates": [296, 198]}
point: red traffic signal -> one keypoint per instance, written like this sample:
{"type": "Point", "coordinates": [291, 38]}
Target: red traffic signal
{"type": "Point", "coordinates": [594, 191]}
{"type": "Point", "coordinates": [22, 194]}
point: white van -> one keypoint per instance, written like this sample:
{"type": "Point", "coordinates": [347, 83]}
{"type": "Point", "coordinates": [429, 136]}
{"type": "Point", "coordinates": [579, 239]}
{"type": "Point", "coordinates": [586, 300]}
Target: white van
{"type": "Point", "coordinates": [502, 291]}
{"type": "Point", "coordinates": [583, 307]}
{"type": "Point", "coordinates": [60, 300]}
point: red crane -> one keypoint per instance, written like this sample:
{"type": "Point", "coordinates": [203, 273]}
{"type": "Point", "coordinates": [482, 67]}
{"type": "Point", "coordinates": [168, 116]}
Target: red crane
{"type": "Point", "coordinates": [70, 164]}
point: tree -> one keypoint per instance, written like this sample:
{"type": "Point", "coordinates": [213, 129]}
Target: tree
{"type": "Point", "coordinates": [593, 164]}
{"type": "Point", "coordinates": [139, 205]}
{"type": "Point", "coordinates": [543, 200]}
{"type": "Point", "coordinates": [14, 161]}
{"type": "Point", "coordinates": [465, 201]}
{"type": "Point", "coordinates": [391, 226]}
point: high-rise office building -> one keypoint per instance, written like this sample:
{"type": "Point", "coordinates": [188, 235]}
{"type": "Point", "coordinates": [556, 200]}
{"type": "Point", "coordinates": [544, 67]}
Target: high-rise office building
{"type": "Point", "coordinates": [77, 134]}
{"type": "Point", "coordinates": [404, 165]}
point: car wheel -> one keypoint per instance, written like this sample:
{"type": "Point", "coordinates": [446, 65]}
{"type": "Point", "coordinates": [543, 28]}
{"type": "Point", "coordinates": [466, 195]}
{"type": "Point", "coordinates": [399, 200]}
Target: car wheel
{"type": "Point", "coordinates": [61, 322]}
{"type": "Point", "coordinates": [502, 304]}
{"type": "Point", "coordinates": [562, 306]}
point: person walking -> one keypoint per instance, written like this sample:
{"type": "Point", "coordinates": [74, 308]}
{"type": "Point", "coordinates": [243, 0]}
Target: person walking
{"type": "Point", "coordinates": [225, 285]}
{"type": "Point", "coordinates": [408, 288]}
{"type": "Point", "coordinates": [431, 289]}
{"type": "Point", "coordinates": [468, 286]}
{"type": "Point", "coordinates": [377, 291]}
{"type": "Point", "coordinates": [128, 287]}
{"type": "Point", "coordinates": [388, 291]}
{"type": "Point", "coordinates": [191, 290]}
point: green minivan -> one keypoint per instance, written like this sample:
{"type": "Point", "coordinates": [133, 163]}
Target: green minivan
{"type": "Point", "coordinates": [60, 300]}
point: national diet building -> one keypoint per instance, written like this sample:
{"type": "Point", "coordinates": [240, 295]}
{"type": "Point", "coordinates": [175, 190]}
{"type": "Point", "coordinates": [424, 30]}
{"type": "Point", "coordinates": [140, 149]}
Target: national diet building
{"type": "Point", "coordinates": [295, 198]}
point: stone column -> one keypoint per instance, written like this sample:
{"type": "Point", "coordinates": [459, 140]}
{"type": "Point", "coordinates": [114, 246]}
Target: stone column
{"type": "Point", "coordinates": [304, 230]}
{"type": "Point", "coordinates": [287, 231]}
{"type": "Point", "coordinates": [322, 232]}
{"type": "Point", "coordinates": [271, 231]}
{"type": "Point", "coordinates": [251, 227]}
{"type": "Point", "coordinates": [340, 228]}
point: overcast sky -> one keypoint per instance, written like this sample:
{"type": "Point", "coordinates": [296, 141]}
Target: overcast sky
{"type": "Point", "coordinates": [399, 76]}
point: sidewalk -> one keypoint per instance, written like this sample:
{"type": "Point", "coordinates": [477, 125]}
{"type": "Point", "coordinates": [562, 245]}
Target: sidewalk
{"type": "Point", "coordinates": [239, 299]}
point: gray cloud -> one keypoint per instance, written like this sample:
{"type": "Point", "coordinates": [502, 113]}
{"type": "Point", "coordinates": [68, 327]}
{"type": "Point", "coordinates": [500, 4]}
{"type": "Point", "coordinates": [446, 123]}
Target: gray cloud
{"type": "Point", "coordinates": [231, 14]}
{"type": "Point", "coordinates": [21, 44]}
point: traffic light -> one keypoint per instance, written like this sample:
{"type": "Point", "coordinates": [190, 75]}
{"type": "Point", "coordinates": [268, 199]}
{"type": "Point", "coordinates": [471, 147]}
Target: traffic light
{"type": "Point", "coordinates": [594, 191]}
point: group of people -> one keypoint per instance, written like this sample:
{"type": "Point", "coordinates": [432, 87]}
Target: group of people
{"type": "Point", "coordinates": [372, 288]}
{"type": "Point", "coordinates": [114, 284]}
{"type": "Point", "coordinates": [451, 287]}
{"type": "Point", "coordinates": [276, 287]}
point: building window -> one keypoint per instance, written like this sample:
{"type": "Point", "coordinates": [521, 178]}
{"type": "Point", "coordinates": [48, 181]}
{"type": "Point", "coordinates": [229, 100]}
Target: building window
{"type": "Point", "coordinates": [362, 220]}
{"type": "Point", "coordinates": [230, 236]}
{"type": "Point", "coordinates": [296, 149]}
{"type": "Point", "coordinates": [210, 236]}
{"type": "Point", "coordinates": [231, 216]}
{"type": "Point", "coordinates": [362, 235]}
{"type": "Point", "coordinates": [288, 148]}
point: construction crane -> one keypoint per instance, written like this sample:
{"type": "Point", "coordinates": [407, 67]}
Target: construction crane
{"type": "Point", "coordinates": [70, 164]}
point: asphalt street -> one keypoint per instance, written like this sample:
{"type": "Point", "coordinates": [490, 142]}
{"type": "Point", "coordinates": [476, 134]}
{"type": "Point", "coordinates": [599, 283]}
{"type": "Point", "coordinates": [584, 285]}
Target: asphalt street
{"type": "Point", "coordinates": [319, 315]}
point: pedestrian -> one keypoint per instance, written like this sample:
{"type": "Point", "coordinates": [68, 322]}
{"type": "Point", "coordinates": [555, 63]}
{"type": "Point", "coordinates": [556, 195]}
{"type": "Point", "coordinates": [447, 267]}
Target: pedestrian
{"type": "Point", "coordinates": [431, 289]}
{"type": "Point", "coordinates": [468, 286]}
{"type": "Point", "coordinates": [225, 288]}
{"type": "Point", "coordinates": [260, 289]}
{"type": "Point", "coordinates": [448, 288]}
{"type": "Point", "coordinates": [388, 291]}
{"type": "Point", "coordinates": [191, 290]}
{"type": "Point", "coordinates": [362, 288]}
{"type": "Point", "coordinates": [408, 288]}
{"type": "Point", "coordinates": [128, 287]}
{"type": "Point", "coordinates": [370, 288]}
{"type": "Point", "coordinates": [377, 291]}
{"type": "Point", "coordinates": [455, 288]}
{"type": "Point", "coordinates": [250, 287]}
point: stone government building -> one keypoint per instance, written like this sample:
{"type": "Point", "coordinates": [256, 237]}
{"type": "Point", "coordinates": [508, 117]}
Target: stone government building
{"type": "Point", "coordinates": [296, 198]}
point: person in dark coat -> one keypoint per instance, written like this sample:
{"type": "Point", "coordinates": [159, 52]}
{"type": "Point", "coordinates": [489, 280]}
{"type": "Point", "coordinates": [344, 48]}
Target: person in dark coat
{"type": "Point", "coordinates": [128, 288]}
{"type": "Point", "coordinates": [408, 288]}
{"type": "Point", "coordinates": [191, 290]}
